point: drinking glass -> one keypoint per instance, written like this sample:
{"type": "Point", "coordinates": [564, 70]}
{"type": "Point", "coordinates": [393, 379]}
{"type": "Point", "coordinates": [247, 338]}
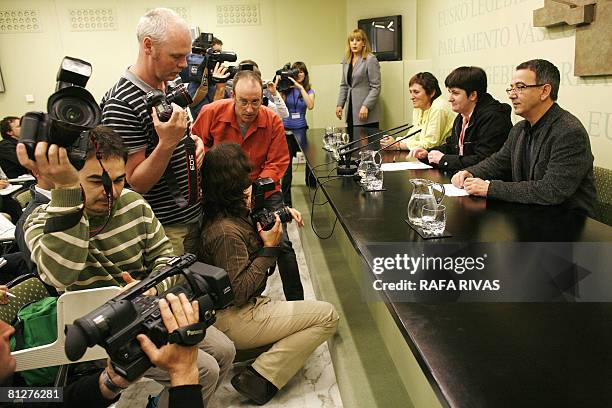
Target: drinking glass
{"type": "Point", "coordinates": [329, 131]}
{"type": "Point", "coordinates": [434, 219]}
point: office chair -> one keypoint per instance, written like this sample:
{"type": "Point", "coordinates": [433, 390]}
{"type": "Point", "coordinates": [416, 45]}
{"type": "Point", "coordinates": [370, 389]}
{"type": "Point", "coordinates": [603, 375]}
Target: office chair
{"type": "Point", "coordinates": [603, 184]}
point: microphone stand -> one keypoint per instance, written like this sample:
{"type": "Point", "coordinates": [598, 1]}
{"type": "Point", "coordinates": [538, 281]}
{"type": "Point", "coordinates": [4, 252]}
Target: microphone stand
{"type": "Point", "coordinates": [399, 139]}
{"type": "Point", "coordinates": [351, 168]}
{"type": "Point", "coordinates": [349, 144]}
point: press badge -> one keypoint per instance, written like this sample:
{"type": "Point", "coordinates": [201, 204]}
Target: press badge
{"type": "Point", "coordinates": [295, 115]}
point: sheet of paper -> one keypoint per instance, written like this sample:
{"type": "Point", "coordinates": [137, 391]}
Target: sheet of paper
{"type": "Point", "coordinates": [7, 229]}
{"type": "Point", "coordinates": [452, 191]}
{"type": "Point", "coordinates": [399, 166]}
{"type": "Point", "coordinates": [22, 178]}
{"type": "Point", "coordinates": [10, 189]}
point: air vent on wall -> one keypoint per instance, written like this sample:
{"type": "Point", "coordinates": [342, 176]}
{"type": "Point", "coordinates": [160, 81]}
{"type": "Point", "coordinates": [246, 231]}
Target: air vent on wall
{"type": "Point", "coordinates": [19, 21]}
{"type": "Point", "coordinates": [92, 19]}
{"type": "Point", "coordinates": [181, 11]}
{"type": "Point", "coordinates": [238, 14]}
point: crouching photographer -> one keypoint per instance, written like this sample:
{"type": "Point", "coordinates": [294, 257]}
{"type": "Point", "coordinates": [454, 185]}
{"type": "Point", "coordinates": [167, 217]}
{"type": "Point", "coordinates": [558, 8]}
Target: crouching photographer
{"type": "Point", "coordinates": [95, 233]}
{"type": "Point", "coordinates": [247, 250]}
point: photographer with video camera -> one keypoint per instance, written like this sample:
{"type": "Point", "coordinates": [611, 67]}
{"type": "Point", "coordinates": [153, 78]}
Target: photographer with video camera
{"type": "Point", "coordinates": [299, 96]}
{"type": "Point", "coordinates": [206, 76]}
{"type": "Point", "coordinates": [143, 107]}
{"type": "Point", "coordinates": [103, 388]}
{"type": "Point", "coordinates": [95, 233]}
{"type": "Point", "coordinates": [240, 239]}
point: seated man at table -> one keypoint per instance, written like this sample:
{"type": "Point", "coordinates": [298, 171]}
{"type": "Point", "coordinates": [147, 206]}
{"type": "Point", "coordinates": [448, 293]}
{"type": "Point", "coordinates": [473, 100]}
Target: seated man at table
{"type": "Point", "coordinates": [547, 158]}
{"type": "Point", "coordinates": [480, 128]}
{"type": "Point", "coordinates": [231, 241]}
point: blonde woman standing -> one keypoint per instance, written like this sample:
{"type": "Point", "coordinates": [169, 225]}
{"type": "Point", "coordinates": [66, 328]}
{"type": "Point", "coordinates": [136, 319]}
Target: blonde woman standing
{"type": "Point", "coordinates": [360, 83]}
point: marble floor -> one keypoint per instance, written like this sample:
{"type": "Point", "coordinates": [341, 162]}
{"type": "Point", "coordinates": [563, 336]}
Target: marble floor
{"type": "Point", "coordinates": [313, 386]}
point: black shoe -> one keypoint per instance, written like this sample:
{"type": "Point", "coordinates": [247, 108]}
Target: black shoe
{"type": "Point", "coordinates": [252, 385]}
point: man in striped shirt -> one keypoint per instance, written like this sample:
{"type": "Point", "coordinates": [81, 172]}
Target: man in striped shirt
{"type": "Point", "coordinates": [78, 242]}
{"type": "Point", "coordinates": [158, 165]}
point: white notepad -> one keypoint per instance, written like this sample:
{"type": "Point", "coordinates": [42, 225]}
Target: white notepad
{"type": "Point", "coordinates": [399, 166]}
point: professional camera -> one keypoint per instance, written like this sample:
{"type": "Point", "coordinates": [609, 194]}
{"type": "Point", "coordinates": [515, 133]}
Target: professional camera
{"type": "Point", "coordinates": [115, 324]}
{"type": "Point", "coordinates": [285, 72]}
{"type": "Point", "coordinates": [161, 102]}
{"type": "Point", "coordinates": [260, 214]}
{"type": "Point", "coordinates": [72, 112]}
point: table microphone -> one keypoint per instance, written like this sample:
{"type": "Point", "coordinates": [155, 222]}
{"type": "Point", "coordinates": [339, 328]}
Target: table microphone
{"type": "Point", "coordinates": [349, 168]}
{"type": "Point", "coordinates": [399, 139]}
{"type": "Point", "coordinates": [349, 144]}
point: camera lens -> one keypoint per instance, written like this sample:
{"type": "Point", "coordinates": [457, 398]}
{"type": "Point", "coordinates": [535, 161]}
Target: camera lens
{"type": "Point", "coordinates": [73, 110]}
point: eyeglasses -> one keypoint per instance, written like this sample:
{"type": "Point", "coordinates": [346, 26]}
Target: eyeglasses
{"type": "Point", "coordinates": [519, 88]}
{"type": "Point", "coordinates": [244, 103]}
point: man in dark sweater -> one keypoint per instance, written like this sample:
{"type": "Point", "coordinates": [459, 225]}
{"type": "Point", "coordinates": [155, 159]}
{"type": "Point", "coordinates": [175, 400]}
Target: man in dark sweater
{"type": "Point", "coordinates": [547, 158]}
{"type": "Point", "coordinates": [10, 129]}
{"type": "Point", "coordinates": [480, 128]}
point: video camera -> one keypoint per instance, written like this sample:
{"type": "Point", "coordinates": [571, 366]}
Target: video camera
{"type": "Point", "coordinates": [285, 72]}
{"type": "Point", "coordinates": [203, 46]}
{"type": "Point", "coordinates": [161, 102]}
{"type": "Point", "coordinates": [72, 112]}
{"type": "Point", "coordinates": [260, 214]}
{"type": "Point", "coordinates": [115, 324]}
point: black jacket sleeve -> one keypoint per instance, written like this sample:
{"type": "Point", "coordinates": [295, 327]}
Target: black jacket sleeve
{"type": "Point", "coordinates": [186, 396]}
{"type": "Point", "coordinates": [85, 392]}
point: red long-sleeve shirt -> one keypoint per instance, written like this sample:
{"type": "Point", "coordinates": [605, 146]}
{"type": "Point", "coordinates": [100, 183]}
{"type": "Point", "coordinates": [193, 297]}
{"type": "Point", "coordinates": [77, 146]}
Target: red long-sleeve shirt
{"type": "Point", "coordinates": [264, 142]}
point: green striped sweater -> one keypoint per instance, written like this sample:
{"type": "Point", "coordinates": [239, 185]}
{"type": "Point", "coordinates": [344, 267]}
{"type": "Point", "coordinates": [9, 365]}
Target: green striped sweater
{"type": "Point", "coordinates": [133, 241]}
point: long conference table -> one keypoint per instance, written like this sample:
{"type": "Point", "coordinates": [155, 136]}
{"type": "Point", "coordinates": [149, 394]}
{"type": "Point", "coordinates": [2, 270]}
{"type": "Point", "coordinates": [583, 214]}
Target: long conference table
{"type": "Point", "coordinates": [549, 348]}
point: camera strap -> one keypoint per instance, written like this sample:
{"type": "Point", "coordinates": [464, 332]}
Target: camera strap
{"type": "Point", "coordinates": [189, 335]}
{"type": "Point", "coordinates": [193, 178]}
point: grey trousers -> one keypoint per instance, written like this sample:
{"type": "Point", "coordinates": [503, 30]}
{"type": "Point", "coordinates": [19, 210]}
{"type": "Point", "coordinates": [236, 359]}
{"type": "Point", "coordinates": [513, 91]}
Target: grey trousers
{"type": "Point", "coordinates": [215, 357]}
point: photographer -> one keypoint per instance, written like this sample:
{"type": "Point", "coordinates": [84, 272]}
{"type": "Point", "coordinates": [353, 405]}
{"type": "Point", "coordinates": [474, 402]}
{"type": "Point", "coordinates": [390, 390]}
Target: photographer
{"type": "Point", "coordinates": [246, 252]}
{"type": "Point", "coordinates": [95, 233]}
{"type": "Point", "coordinates": [163, 158]}
{"type": "Point", "coordinates": [298, 98]}
{"type": "Point", "coordinates": [260, 133]}
{"type": "Point", "coordinates": [103, 388]}
{"type": "Point", "coordinates": [196, 74]}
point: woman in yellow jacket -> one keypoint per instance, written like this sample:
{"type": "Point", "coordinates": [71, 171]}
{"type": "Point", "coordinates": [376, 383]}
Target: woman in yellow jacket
{"type": "Point", "coordinates": [431, 113]}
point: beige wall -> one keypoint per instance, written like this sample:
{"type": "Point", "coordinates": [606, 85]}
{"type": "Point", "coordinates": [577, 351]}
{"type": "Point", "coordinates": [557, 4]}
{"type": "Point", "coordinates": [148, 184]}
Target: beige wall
{"type": "Point", "coordinates": [438, 35]}
{"type": "Point", "coordinates": [289, 30]}
{"type": "Point", "coordinates": [498, 35]}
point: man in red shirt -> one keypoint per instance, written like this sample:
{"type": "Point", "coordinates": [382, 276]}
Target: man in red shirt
{"type": "Point", "coordinates": [260, 133]}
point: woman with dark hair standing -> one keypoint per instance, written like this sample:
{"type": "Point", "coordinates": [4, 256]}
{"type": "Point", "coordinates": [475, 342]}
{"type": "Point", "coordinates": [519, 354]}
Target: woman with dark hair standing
{"type": "Point", "coordinates": [298, 98]}
{"type": "Point", "coordinates": [432, 114]}
{"type": "Point", "coordinates": [360, 83]}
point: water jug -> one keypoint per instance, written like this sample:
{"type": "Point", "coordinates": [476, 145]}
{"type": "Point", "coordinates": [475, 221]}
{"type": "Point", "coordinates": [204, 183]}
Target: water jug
{"type": "Point", "coordinates": [423, 194]}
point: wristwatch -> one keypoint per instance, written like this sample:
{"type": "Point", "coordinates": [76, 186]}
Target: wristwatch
{"type": "Point", "coordinates": [108, 383]}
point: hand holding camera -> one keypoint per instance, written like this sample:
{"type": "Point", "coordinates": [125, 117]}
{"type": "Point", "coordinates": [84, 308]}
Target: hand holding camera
{"type": "Point", "coordinates": [53, 162]}
{"type": "Point", "coordinates": [220, 73]}
{"type": "Point", "coordinates": [173, 130]}
{"type": "Point", "coordinates": [179, 361]}
{"type": "Point", "coordinates": [272, 236]}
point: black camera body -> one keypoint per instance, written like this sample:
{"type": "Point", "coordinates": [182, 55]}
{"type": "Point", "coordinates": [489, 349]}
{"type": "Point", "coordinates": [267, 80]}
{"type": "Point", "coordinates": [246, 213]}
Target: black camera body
{"type": "Point", "coordinates": [260, 214]}
{"type": "Point", "coordinates": [161, 102]}
{"type": "Point", "coordinates": [72, 112]}
{"type": "Point", "coordinates": [115, 324]}
{"type": "Point", "coordinates": [285, 73]}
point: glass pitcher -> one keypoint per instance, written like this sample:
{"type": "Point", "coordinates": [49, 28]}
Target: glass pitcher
{"type": "Point", "coordinates": [423, 194]}
{"type": "Point", "coordinates": [367, 159]}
